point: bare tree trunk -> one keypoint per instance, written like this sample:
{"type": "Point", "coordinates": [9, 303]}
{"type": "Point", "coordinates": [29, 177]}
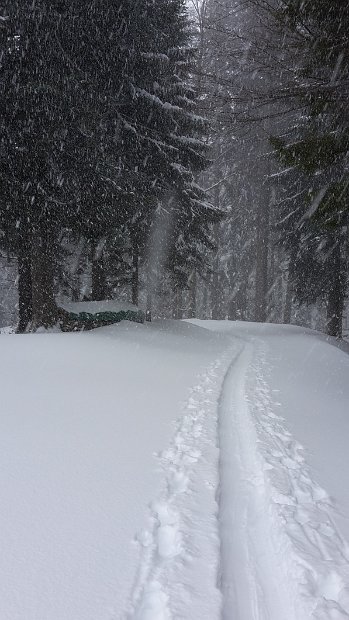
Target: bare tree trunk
{"type": "Point", "coordinates": [25, 304]}
{"type": "Point", "coordinates": [205, 309]}
{"type": "Point", "coordinates": [289, 289]}
{"type": "Point", "coordinates": [233, 273]}
{"type": "Point", "coordinates": [45, 311]}
{"type": "Point", "coordinates": [148, 312]}
{"type": "Point", "coordinates": [150, 290]}
{"type": "Point", "coordinates": [78, 270]}
{"type": "Point", "coordinates": [216, 301]}
{"type": "Point", "coordinates": [288, 301]}
{"type": "Point", "coordinates": [193, 296]}
{"type": "Point", "coordinates": [215, 305]}
{"type": "Point", "coordinates": [262, 248]}
{"type": "Point", "coordinates": [336, 295]}
{"type": "Point", "coordinates": [241, 298]}
{"type": "Point", "coordinates": [232, 309]}
{"type": "Point", "coordinates": [75, 294]}
{"type": "Point", "coordinates": [238, 278]}
{"type": "Point", "coordinates": [98, 276]}
{"type": "Point", "coordinates": [135, 274]}
{"type": "Point", "coordinates": [178, 314]}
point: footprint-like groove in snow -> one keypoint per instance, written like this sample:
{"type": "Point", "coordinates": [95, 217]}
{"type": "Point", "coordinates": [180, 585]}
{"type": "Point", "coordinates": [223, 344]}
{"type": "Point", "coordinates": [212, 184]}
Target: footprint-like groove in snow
{"type": "Point", "coordinates": [320, 555]}
{"type": "Point", "coordinates": [179, 551]}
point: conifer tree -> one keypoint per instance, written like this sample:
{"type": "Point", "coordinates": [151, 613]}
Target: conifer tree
{"type": "Point", "coordinates": [97, 127]}
{"type": "Point", "coordinates": [317, 145]}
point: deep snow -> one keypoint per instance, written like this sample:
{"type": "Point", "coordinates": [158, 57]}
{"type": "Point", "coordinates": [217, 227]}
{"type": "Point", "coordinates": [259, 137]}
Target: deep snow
{"type": "Point", "coordinates": [193, 470]}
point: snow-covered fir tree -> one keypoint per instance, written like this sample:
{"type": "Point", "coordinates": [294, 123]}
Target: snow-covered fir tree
{"type": "Point", "coordinates": [99, 128]}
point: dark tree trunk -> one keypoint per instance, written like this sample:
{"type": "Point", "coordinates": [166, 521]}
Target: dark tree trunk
{"type": "Point", "coordinates": [289, 289]}
{"type": "Point", "coordinates": [45, 311]}
{"type": "Point", "coordinates": [238, 278]}
{"type": "Point", "coordinates": [231, 303]}
{"type": "Point", "coordinates": [232, 309]}
{"type": "Point", "coordinates": [148, 312]}
{"type": "Point", "coordinates": [98, 276]}
{"type": "Point", "coordinates": [178, 313]}
{"type": "Point", "coordinates": [78, 271]}
{"type": "Point", "coordinates": [288, 301]}
{"type": "Point", "coordinates": [192, 296]}
{"type": "Point", "coordinates": [242, 300]}
{"type": "Point", "coordinates": [25, 304]}
{"type": "Point", "coordinates": [151, 287]}
{"type": "Point", "coordinates": [205, 311]}
{"type": "Point", "coordinates": [216, 293]}
{"type": "Point", "coordinates": [262, 248]}
{"type": "Point", "coordinates": [336, 295]}
{"type": "Point", "coordinates": [135, 274]}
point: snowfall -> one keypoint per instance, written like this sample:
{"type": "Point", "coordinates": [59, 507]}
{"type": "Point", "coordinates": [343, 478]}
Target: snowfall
{"type": "Point", "coordinates": [192, 470]}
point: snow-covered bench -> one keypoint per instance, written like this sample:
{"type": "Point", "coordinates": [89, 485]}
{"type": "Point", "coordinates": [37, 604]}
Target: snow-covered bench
{"type": "Point", "coordinates": [91, 314]}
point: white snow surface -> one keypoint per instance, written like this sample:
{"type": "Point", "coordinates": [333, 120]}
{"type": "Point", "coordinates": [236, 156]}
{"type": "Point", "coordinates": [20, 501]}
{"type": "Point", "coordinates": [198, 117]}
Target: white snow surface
{"type": "Point", "coordinates": [93, 307]}
{"type": "Point", "coordinates": [179, 470]}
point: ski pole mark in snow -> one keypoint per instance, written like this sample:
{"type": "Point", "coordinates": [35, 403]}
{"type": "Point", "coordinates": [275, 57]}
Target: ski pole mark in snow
{"type": "Point", "coordinates": [177, 575]}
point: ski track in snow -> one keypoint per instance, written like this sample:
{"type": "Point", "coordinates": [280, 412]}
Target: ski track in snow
{"type": "Point", "coordinates": [303, 510]}
{"type": "Point", "coordinates": [240, 530]}
{"type": "Point", "coordinates": [281, 555]}
{"type": "Point", "coordinates": [177, 576]}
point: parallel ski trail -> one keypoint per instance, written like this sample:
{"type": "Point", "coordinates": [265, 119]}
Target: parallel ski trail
{"type": "Point", "coordinates": [252, 585]}
{"type": "Point", "coordinates": [177, 576]}
{"type": "Point", "coordinates": [240, 530]}
{"type": "Point", "coordinates": [281, 555]}
{"type": "Point", "coordinates": [320, 555]}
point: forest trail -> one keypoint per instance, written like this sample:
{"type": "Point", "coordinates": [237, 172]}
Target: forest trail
{"type": "Point", "coordinates": [174, 471]}
{"type": "Point", "coordinates": [240, 529]}
{"type": "Point", "coordinates": [180, 549]}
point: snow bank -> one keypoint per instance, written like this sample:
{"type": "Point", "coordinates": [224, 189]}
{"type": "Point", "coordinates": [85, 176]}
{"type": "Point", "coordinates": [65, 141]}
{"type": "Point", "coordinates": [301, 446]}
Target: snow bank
{"type": "Point", "coordinates": [82, 415]}
{"type": "Point", "coordinates": [284, 465]}
{"type": "Point", "coordinates": [174, 470]}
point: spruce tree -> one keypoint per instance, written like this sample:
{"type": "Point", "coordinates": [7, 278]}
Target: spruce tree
{"type": "Point", "coordinates": [97, 126]}
{"type": "Point", "coordinates": [317, 146]}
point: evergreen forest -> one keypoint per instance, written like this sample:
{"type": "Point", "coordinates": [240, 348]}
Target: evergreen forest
{"type": "Point", "coordinates": [190, 158]}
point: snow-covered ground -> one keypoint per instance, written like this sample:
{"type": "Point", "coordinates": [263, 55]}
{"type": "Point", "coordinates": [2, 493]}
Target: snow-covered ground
{"type": "Point", "coordinates": [179, 470]}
